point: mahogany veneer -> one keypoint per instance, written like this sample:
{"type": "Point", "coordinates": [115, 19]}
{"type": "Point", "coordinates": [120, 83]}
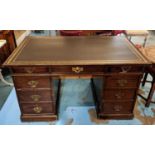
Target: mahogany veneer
{"type": "Point", "coordinates": [113, 63]}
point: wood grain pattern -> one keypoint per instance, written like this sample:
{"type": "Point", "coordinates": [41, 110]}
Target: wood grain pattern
{"type": "Point", "coordinates": [117, 107]}
{"type": "Point", "coordinates": [113, 63]}
{"type": "Point", "coordinates": [29, 108]}
{"type": "Point", "coordinates": [35, 96]}
{"type": "Point", "coordinates": [122, 81]}
{"type": "Point", "coordinates": [119, 95]}
{"type": "Point", "coordinates": [23, 82]}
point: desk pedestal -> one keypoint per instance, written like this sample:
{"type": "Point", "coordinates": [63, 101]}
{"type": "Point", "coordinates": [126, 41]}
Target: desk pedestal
{"type": "Point", "coordinates": [114, 89]}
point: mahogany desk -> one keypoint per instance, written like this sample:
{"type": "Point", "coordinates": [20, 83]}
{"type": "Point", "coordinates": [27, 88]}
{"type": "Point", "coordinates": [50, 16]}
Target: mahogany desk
{"type": "Point", "coordinates": [113, 63]}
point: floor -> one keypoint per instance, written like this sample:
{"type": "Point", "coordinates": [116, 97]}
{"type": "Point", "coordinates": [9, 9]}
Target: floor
{"type": "Point", "coordinates": [77, 105]}
{"type": "Point", "coordinates": [5, 89]}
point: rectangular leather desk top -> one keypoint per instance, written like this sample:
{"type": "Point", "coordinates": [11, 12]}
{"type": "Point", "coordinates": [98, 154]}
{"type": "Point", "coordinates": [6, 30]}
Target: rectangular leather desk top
{"type": "Point", "coordinates": [89, 50]}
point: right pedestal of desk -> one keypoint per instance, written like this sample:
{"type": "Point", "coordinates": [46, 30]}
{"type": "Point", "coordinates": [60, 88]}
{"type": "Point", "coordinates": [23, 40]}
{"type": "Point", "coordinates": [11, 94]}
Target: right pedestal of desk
{"type": "Point", "coordinates": [116, 92]}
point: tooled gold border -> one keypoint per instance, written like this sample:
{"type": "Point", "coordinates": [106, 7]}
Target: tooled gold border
{"type": "Point", "coordinates": [16, 52]}
{"type": "Point", "coordinates": [81, 62]}
{"type": "Point", "coordinates": [11, 61]}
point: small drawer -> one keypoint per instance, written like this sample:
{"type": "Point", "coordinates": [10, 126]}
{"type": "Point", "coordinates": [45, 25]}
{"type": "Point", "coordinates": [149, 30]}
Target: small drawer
{"type": "Point", "coordinates": [32, 82]}
{"type": "Point", "coordinates": [30, 70]}
{"type": "Point", "coordinates": [79, 69]}
{"type": "Point", "coordinates": [117, 107]}
{"type": "Point", "coordinates": [126, 81]}
{"type": "Point", "coordinates": [126, 69]}
{"type": "Point", "coordinates": [37, 108]}
{"type": "Point", "coordinates": [35, 96]}
{"type": "Point", "coordinates": [119, 94]}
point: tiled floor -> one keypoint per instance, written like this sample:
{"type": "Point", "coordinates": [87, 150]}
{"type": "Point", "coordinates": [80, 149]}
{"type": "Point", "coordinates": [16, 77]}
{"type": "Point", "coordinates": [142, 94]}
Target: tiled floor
{"type": "Point", "coordinates": [77, 105]}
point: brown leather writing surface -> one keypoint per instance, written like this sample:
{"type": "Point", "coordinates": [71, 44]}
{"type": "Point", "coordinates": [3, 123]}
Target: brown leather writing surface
{"type": "Point", "coordinates": [75, 50]}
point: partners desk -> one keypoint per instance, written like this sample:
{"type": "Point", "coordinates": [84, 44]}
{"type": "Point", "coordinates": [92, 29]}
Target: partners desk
{"type": "Point", "coordinates": [113, 64]}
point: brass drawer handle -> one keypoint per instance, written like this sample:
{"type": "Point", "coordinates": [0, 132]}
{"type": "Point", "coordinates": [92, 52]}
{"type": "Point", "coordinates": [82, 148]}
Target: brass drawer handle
{"type": "Point", "coordinates": [119, 95]}
{"type": "Point", "coordinates": [32, 83]}
{"type": "Point", "coordinates": [125, 69]}
{"type": "Point", "coordinates": [117, 108]}
{"type": "Point", "coordinates": [122, 82]}
{"type": "Point", "coordinates": [37, 109]}
{"type": "Point", "coordinates": [35, 98]}
{"type": "Point", "coordinates": [29, 70]}
{"type": "Point", "coordinates": [77, 69]}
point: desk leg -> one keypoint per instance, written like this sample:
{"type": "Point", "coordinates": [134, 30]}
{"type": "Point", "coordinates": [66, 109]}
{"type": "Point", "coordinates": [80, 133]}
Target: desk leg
{"type": "Point", "coordinates": [3, 80]}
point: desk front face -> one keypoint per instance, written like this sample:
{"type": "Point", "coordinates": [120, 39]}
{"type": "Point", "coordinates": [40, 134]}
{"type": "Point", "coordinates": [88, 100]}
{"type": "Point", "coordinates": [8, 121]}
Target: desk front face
{"type": "Point", "coordinates": [114, 82]}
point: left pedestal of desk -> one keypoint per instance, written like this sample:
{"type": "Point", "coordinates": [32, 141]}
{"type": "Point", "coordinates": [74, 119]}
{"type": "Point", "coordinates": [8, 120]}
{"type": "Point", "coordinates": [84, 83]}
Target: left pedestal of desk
{"type": "Point", "coordinates": [36, 92]}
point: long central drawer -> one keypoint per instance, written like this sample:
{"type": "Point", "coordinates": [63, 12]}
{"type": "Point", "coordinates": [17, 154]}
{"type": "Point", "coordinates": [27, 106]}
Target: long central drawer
{"type": "Point", "coordinates": [78, 69]}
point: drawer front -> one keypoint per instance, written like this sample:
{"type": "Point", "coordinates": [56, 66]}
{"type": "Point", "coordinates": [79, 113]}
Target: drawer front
{"type": "Point", "coordinates": [119, 94]}
{"type": "Point", "coordinates": [38, 108]}
{"type": "Point", "coordinates": [30, 70]}
{"type": "Point", "coordinates": [117, 107]}
{"type": "Point", "coordinates": [32, 81]}
{"type": "Point", "coordinates": [35, 96]}
{"type": "Point", "coordinates": [79, 69]}
{"type": "Point", "coordinates": [122, 81]}
{"type": "Point", "coordinates": [126, 69]}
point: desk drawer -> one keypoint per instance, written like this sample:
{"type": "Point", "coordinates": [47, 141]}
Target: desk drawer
{"type": "Point", "coordinates": [117, 107]}
{"type": "Point", "coordinates": [79, 69]}
{"type": "Point", "coordinates": [126, 81]}
{"type": "Point", "coordinates": [32, 82]}
{"type": "Point", "coordinates": [38, 108]}
{"type": "Point", "coordinates": [126, 69]}
{"type": "Point", "coordinates": [118, 95]}
{"type": "Point", "coordinates": [30, 70]}
{"type": "Point", "coordinates": [35, 96]}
